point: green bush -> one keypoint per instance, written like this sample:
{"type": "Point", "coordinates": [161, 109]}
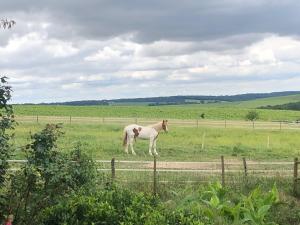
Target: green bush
{"type": "Point", "coordinates": [112, 206]}
{"type": "Point", "coordinates": [48, 177]}
{"type": "Point", "coordinates": [119, 206]}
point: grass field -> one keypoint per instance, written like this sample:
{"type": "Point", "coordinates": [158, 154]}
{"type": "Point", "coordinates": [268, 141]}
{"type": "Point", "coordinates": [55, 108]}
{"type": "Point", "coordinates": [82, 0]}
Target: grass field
{"type": "Point", "coordinates": [181, 144]}
{"type": "Point", "coordinates": [212, 111]}
{"type": "Point", "coordinates": [103, 141]}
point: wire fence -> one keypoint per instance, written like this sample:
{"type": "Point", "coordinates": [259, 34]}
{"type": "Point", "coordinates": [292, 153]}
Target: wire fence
{"type": "Point", "coordinates": [278, 125]}
{"type": "Point", "coordinates": [155, 173]}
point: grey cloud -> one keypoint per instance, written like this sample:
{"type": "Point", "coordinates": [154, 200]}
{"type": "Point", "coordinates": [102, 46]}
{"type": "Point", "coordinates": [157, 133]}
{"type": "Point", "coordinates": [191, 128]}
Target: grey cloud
{"type": "Point", "coordinates": [164, 36]}
{"type": "Point", "coordinates": [164, 20]}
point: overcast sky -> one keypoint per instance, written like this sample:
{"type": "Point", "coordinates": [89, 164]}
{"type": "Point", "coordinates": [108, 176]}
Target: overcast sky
{"type": "Point", "coordinates": [96, 49]}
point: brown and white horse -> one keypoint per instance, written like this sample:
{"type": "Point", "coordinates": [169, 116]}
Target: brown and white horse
{"type": "Point", "coordinates": [133, 131]}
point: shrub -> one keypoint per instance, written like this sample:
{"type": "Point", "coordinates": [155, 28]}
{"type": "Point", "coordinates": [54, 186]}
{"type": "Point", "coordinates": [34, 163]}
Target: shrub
{"type": "Point", "coordinates": [252, 115]}
{"type": "Point", "coordinates": [48, 177]}
{"type": "Point", "coordinates": [112, 206]}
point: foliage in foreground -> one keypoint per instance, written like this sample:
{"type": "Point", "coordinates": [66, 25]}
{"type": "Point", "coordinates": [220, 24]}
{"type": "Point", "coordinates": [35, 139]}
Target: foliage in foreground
{"type": "Point", "coordinates": [118, 206]}
{"type": "Point", "coordinates": [47, 177]}
{"type": "Point", "coordinates": [7, 123]}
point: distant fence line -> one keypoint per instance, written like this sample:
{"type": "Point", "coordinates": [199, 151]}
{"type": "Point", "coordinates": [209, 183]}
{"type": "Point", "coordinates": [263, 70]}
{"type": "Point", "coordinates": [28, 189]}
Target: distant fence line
{"type": "Point", "coordinates": [221, 168]}
{"type": "Point", "coordinates": [175, 122]}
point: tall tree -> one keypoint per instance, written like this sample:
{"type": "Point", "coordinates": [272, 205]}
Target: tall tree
{"type": "Point", "coordinates": [7, 120]}
{"type": "Point", "coordinates": [7, 123]}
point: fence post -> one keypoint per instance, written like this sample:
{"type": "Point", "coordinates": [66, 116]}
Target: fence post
{"type": "Point", "coordinates": [70, 119]}
{"type": "Point", "coordinates": [245, 166]}
{"type": "Point", "coordinates": [37, 118]}
{"type": "Point", "coordinates": [113, 170]}
{"type": "Point", "coordinates": [223, 171]}
{"type": "Point", "coordinates": [203, 140]}
{"type": "Point", "coordinates": [280, 125]}
{"type": "Point", "coordinates": [295, 176]}
{"type": "Point", "coordinates": [154, 176]}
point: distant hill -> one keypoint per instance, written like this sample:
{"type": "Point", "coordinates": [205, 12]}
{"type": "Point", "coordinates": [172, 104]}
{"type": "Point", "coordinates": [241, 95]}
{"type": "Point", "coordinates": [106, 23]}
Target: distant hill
{"type": "Point", "coordinates": [287, 106]}
{"type": "Point", "coordinates": [270, 101]}
{"type": "Point", "coordinates": [174, 100]}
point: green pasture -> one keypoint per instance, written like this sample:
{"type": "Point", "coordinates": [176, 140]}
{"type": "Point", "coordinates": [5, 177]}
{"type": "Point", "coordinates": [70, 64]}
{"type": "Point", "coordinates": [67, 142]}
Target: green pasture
{"type": "Point", "coordinates": [103, 141]}
{"type": "Point", "coordinates": [211, 111]}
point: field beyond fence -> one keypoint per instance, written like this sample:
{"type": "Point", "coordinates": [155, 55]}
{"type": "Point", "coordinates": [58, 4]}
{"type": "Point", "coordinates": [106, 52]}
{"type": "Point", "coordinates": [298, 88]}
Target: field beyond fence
{"type": "Point", "coordinates": [278, 125]}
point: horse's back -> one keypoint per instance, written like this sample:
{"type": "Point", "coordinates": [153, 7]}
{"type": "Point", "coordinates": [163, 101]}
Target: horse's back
{"type": "Point", "coordinates": [130, 127]}
{"type": "Point", "coordinates": [143, 132]}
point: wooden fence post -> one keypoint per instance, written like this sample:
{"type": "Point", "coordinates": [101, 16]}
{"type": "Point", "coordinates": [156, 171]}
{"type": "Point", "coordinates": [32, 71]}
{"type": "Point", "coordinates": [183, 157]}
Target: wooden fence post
{"type": "Point", "coordinates": [280, 125]}
{"type": "Point", "coordinates": [70, 119]}
{"type": "Point", "coordinates": [113, 170]}
{"type": "Point", "coordinates": [223, 171]}
{"type": "Point", "coordinates": [154, 176]}
{"type": "Point", "coordinates": [295, 188]}
{"type": "Point", "coordinates": [245, 166]}
{"type": "Point", "coordinates": [203, 141]}
{"type": "Point", "coordinates": [37, 118]}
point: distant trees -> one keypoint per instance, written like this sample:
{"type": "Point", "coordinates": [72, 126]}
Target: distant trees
{"type": "Point", "coordinates": [287, 106]}
{"type": "Point", "coordinates": [202, 115]}
{"type": "Point", "coordinates": [252, 116]}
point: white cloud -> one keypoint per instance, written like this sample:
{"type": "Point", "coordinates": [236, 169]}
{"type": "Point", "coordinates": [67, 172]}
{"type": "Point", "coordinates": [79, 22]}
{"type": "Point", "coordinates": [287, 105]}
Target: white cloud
{"type": "Point", "coordinates": [116, 67]}
{"type": "Point", "coordinates": [60, 49]}
{"type": "Point", "coordinates": [106, 53]}
{"type": "Point", "coordinates": [71, 86]}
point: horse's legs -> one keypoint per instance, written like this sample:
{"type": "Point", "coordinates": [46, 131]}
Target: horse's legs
{"type": "Point", "coordinates": [127, 143]}
{"type": "Point", "coordinates": [131, 146]}
{"type": "Point", "coordinates": [150, 146]}
{"type": "Point", "coordinates": [126, 147]}
{"type": "Point", "coordinates": [154, 147]}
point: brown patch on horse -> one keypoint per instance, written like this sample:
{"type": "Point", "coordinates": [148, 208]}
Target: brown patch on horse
{"type": "Point", "coordinates": [136, 132]}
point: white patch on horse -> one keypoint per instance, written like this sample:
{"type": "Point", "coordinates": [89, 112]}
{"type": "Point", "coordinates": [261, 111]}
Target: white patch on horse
{"type": "Point", "coordinates": [134, 131]}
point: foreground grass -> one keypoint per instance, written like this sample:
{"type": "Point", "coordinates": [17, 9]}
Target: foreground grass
{"type": "Point", "coordinates": [181, 144]}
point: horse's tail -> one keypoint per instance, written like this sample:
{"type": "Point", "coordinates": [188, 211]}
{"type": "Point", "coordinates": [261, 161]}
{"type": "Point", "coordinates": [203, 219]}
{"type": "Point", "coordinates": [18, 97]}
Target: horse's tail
{"type": "Point", "coordinates": [125, 138]}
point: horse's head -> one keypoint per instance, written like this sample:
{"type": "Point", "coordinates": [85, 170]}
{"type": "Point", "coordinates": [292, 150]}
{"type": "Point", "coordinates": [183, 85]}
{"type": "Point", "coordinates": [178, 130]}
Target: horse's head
{"type": "Point", "coordinates": [165, 125]}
